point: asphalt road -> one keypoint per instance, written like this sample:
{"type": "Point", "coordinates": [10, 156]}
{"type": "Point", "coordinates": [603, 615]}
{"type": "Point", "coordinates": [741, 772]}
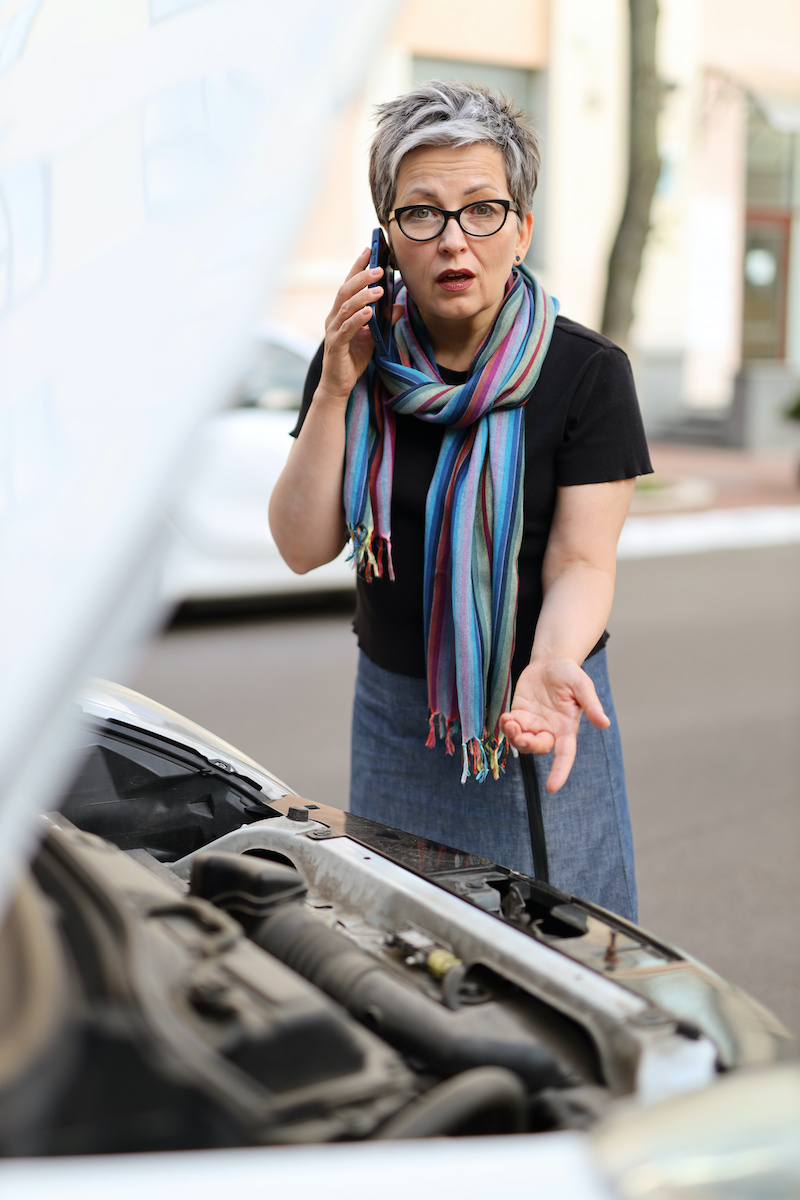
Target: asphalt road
{"type": "Point", "coordinates": [705, 663]}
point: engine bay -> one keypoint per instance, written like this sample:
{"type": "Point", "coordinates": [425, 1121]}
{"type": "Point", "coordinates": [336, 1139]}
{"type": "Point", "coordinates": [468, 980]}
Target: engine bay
{"type": "Point", "coordinates": [196, 964]}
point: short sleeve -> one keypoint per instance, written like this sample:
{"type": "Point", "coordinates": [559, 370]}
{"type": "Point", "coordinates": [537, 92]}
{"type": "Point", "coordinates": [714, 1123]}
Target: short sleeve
{"type": "Point", "coordinates": [309, 387]}
{"type": "Point", "coordinates": [604, 436]}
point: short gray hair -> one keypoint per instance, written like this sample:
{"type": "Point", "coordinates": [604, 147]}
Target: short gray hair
{"type": "Point", "coordinates": [445, 113]}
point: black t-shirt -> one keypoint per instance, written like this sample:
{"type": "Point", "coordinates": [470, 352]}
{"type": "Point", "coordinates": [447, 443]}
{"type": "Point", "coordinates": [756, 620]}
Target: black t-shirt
{"type": "Point", "coordinates": [582, 425]}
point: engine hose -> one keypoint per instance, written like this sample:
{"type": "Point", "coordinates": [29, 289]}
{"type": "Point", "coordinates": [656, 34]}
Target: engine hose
{"type": "Point", "coordinates": [415, 1024]}
{"type": "Point", "coordinates": [484, 1100]}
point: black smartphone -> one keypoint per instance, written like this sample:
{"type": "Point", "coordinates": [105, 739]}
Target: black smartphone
{"type": "Point", "coordinates": [380, 323]}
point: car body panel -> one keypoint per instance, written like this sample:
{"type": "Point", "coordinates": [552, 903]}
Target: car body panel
{"type": "Point", "coordinates": [157, 209]}
{"type": "Point", "coordinates": [561, 1164]}
{"type": "Point", "coordinates": [221, 546]}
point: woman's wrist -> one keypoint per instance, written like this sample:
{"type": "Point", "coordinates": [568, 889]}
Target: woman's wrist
{"type": "Point", "coordinates": [331, 397]}
{"type": "Point", "coordinates": [542, 656]}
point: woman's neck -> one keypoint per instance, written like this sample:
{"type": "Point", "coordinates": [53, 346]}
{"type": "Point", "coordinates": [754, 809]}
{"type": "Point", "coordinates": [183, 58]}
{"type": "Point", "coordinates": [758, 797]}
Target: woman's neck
{"type": "Point", "coordinates": [455, 343]}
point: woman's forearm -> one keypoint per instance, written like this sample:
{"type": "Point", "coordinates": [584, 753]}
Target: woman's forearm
{"type": "Point", "coordinates": [306, 510]}
{"type": "Point", "coordinates": [579, 568]}
{"type": "Point", "coordinates": [553, 692]}
{"type": "Point", "coordinates": [576, 607]}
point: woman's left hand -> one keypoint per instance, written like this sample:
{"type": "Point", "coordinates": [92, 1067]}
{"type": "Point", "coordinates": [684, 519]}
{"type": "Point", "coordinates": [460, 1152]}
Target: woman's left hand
{"type": "Point", "coordinates": [550, 696]}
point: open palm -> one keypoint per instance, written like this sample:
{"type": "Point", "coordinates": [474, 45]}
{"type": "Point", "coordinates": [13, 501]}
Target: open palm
{"type": "Point", "coordinates": [549, 699]}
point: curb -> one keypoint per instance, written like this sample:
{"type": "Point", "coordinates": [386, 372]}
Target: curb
{"type": "Point", "coordinates": [715, 529]}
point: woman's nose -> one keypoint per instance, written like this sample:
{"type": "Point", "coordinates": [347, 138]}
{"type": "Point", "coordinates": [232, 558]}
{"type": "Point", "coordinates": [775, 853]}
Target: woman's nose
{"type": "Point", "coordinates": [452, 237]}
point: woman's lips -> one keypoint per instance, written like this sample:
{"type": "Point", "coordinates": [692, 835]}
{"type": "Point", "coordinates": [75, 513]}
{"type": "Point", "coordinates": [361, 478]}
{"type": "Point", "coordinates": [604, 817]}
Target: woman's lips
{"type": "Point", "coordinates": [455, 281]}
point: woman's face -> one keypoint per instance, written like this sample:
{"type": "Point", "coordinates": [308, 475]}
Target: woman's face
{"type": "Point", "coordinates": [457, 281]}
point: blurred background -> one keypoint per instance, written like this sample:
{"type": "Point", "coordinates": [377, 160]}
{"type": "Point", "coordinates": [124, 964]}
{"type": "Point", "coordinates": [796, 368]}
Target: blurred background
{"type": "Point", "coordinates": [716, 330]}
{"type": "Point", "coordinates": [668, 215]}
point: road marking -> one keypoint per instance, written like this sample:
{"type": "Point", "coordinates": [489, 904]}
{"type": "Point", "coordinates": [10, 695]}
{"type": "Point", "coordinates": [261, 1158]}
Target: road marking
{"type": "Point", "coordinates": [714, 529]}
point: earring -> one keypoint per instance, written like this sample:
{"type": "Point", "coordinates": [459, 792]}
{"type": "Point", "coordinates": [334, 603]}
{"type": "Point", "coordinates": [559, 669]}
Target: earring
{"type": "Point", "coordinates": [518, 259]}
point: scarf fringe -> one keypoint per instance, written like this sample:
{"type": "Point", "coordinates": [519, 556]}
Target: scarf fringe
{"type": "Point", "coordinates": [370, 554]}
{"type": "Point", "coordinates": [479, 756]}
{"type": "Point", "coordinates": [446, 728]}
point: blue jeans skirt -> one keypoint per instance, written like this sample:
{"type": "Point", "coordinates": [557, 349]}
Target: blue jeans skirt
{"type": "Point", "coordinates": [397, 780]}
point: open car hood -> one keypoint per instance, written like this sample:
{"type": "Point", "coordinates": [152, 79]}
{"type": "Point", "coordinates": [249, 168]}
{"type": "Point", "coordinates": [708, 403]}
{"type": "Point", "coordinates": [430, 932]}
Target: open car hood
{"type": "Point", "coordinates": [156, 160]}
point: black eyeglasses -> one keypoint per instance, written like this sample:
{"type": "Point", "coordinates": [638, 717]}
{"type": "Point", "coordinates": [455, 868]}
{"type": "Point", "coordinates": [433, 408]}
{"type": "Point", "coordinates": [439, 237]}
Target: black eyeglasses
{"type": "Point", "coordinates": [424, 222]}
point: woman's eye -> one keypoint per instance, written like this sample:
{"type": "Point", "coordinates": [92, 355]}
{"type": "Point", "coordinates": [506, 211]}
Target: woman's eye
{"type": "Point", "coordinates": [419, 214]}
{"type": "Point", "coordinates": [481, 210]}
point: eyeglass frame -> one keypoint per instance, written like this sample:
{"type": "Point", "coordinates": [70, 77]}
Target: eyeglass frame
{"type": "Point", "coordinates": [455, 214]}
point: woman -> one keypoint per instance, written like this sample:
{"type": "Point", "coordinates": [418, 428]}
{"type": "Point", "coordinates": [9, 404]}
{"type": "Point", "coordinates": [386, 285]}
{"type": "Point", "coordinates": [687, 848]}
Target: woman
{"type": "Point", "coordinates": [483, 476]}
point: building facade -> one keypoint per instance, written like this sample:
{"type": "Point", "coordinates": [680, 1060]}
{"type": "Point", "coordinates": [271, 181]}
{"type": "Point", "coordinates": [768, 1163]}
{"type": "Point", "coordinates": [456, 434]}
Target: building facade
{"type": "Point", "coordinates": [716, 337]}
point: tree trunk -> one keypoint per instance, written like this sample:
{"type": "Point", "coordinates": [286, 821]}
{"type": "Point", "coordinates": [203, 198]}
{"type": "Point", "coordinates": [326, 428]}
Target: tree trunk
{"type": "Point", "coordinates": [644, 167]}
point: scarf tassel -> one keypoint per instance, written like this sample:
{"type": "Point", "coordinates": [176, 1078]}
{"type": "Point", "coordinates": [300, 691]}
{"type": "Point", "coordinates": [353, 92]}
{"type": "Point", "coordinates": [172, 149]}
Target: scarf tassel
{"type": "Point", "coordinates": [369, 553]}
{"type": "Point", "coordinates": [446, 728]}
{"type": "Point", "coordinates": [479, 756]}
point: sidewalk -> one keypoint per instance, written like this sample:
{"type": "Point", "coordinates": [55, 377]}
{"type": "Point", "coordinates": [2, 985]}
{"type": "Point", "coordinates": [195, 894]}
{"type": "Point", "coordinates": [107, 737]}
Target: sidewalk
{"type": "Point", "coordinates": [708, 498]}
{"type": "Point", "coordinates": [697, 478]}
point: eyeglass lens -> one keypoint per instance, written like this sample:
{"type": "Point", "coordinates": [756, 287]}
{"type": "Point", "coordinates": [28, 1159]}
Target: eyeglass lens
{"type": "Point", "coordinates": [481, 220]}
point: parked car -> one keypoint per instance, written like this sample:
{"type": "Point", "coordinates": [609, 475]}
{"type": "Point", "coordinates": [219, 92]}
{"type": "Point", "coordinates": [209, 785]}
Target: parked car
{"type": "Point", "coordinates": [200, 959]}
{"type": "Point", "coordinates": [222, 548]}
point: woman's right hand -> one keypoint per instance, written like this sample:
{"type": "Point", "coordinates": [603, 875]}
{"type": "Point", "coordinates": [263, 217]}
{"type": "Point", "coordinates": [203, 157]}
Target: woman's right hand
{"type": "Point", "coordinates": [306, 511]}
{"type": "Point", "coordinates": [348, 341]}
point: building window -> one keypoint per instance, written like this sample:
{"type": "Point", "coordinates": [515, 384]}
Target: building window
{"type": "Point", "coordinates": [770, 257]}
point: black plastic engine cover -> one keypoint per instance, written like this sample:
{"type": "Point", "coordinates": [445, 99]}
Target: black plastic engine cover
{"type": "Point", "coordinates": [183, 1033]}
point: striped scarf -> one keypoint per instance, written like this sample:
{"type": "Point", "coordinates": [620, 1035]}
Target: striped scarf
{"type": "Point", "coordinates": [473, 513]}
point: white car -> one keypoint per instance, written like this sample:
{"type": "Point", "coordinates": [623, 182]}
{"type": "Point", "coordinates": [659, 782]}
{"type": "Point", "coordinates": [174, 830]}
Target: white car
{"type": "Point", "coordinates": [200, 959]}
{"type": "Point", "coordinates": [221, 547]}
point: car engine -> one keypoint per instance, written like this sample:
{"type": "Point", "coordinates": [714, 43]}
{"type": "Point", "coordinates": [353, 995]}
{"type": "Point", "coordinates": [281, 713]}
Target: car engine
{"type": "Point", "coordinates": [193, 962]}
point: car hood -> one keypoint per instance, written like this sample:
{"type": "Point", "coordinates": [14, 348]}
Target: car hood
{"type": "Point", "coordinates": [151, 180]}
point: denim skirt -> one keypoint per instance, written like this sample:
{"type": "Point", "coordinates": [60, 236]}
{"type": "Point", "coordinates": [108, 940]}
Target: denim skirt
{"type": "Point", "coordinates": [396, 779]}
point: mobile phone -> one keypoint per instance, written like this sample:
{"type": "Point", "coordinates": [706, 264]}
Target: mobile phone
{"type": "Point", "coordinates": [380, 323]}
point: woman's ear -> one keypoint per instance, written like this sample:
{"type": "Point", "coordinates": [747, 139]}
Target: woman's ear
{"type": "Point", "coordinates": [524, 237]}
